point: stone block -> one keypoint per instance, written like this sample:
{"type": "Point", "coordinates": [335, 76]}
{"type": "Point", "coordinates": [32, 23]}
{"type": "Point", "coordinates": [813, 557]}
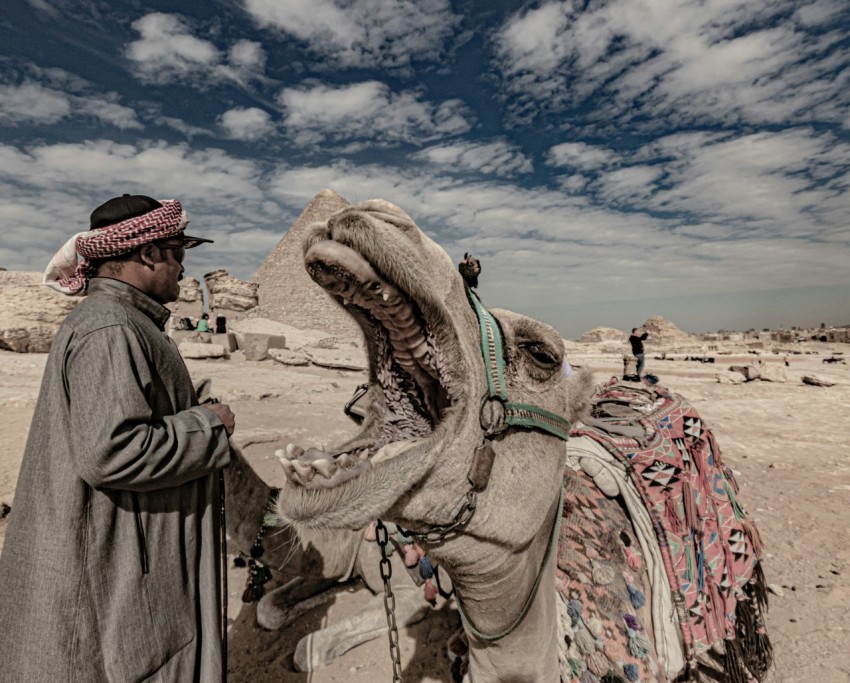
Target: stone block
{"type": "Point", "coordinates": [199, 351]}
{"type": "Point", "coordinates": [227, 340]}
{"type": "Point", "coordinates": [256, 346]}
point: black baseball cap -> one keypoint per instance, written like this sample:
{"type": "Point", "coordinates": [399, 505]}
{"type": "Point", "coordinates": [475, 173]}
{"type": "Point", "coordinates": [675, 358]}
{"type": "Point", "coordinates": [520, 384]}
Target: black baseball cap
{"type": "Point", "coordinates": [127, 206]}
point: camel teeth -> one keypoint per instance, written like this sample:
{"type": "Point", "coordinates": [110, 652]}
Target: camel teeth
{"type": "Point", "coordinates": [385, 296]}
{"type": "Point", "coordinates": [345, 460]}
{"type": "Point", "coordinates": [287, 467]}
{"type": "Point", "coordinates": [345, 301]}
{"type": "Point", "coordinates": [304, 471]}
{"type": "Point", "coordinates": [325, 467]}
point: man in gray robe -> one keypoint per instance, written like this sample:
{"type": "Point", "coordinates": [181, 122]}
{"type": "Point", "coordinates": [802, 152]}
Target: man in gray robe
{"type": "Point", "coordinates": [110, 569]}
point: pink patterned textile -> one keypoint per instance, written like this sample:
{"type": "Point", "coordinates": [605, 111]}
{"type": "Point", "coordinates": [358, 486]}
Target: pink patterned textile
{"type": "Point", "coordinates": [66, 275]}
{"type": "Point", "coordinates": [710, 549]}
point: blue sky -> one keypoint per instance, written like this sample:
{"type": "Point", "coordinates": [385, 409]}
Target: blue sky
{"type": "Point", "coordinates": [606, 160]}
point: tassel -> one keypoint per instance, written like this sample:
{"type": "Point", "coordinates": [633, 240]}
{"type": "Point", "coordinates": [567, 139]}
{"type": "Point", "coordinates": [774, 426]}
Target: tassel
{"type": "Point", "coordinates": [426, 569]}
{"type": "Point", "coordinates": [639, 646]}
{"type": "Point", "coordinates": [597, 663]}
{"type": "Point", "coordinates": [632, 559]}
{"type": "Point", "coordinates": [574, 610]}
{"type": "Point", "coordinates": [585, 642]}
{"type": "Point", "coordinates": [690, 570]}
{"type": "Point", "coordinates": [718, 610]}
{"type": "Point", "coordinates": [595, 626]}
{"type": "Point", "coordinates": [632, 622]}
{"type": "Point", "coordinates": [602, 573]}
{"type": "Point", "coordinates": [737, 510]}
{"type": "Point", "coordinates": [700, 567]}
{"type": "Point", "coordinates": [588, 677]}
{"type": "Point", "coordinates": [369, 532]}
{"type": "Point", "coordinates": [637, 597]}
{"type": "Point", "coordinates": [402, 537]}
{"type": "Point", "coordinates": [755, 537]}
{"type": "Point", "coordinates": [733, 665]}
{"type": "Point", "coordinates": [411, 557]}
{"type": "Point", "coordinates": [691, 510]}
{"type": "Point", "coordinates": [754, 644]}
{"type": "Point", "coordinates": [631, 671]}
{"type": "Point", "coordinates": [430, 592]}
{"type": "Point", "coordinates": [673, 513]}
{"type": "Point", "coordinates": [575, 667]}
{"type": "Point", "coordinates": [387, 549]}
{"type": "Point", "coordinates": [757, 586]}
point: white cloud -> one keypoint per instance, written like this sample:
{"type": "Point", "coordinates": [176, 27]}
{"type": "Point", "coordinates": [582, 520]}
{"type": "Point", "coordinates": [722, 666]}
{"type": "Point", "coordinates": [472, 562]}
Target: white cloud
{"type": "Point", "coordinates": [497, 158]}
{"type": "Point", "coordinates": [706, 60]}
{"type": "Point", "coordinates": [167, 51]}
{"type": "Point", "coordinates": [363, 33]}
{"type": "Point", "coordinates": [247, 124]}
{"type": "Point", "coordinates": [369, 111]}
{"type": "Point", "coordinates": [581, 156]}
{"type": "Point", "coordinates": [32, 103]}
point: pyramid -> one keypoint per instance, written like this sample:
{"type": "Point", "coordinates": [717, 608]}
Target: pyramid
{"type": "Point", "coordinates": [287, 294]}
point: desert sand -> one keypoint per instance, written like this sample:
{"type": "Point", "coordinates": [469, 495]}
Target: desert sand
{"type": "Point", "coordinates": [787, 443]}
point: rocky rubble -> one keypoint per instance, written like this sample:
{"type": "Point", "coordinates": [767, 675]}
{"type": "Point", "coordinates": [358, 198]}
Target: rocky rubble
{"type": "Point", "coordinates": [227, 293]}
{"type": "Point", "coordinates": [30, 312]}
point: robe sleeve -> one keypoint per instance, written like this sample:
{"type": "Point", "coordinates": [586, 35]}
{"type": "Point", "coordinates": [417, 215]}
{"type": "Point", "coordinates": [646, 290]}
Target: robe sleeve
{"type": "Point", "coordinates": [117, 441]}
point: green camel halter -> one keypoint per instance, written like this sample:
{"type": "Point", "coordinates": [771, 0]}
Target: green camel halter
{"type": "Point", "coordinates": [516, 414]}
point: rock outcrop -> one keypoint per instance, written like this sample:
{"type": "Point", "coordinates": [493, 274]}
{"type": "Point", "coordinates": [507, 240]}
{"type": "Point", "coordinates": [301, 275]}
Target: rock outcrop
{"type": "Point", "coordinates": [603, 334]}
{"type": "Point", "coordinates": [286, 292]}
{"type": "Point", "coordinates": [227, 293]}
{"type": "Point", "coordinates": [30, 312]}
{"type": "Point", "coordinates": [664, 334]}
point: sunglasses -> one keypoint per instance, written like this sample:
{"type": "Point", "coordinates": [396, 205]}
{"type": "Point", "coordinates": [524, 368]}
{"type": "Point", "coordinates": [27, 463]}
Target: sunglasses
{"type": "Point", "coordinates": [179, 249]}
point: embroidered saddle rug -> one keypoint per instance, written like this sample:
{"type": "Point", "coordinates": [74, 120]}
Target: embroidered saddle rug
{"type": "Point", "coordinates": [686, 543]}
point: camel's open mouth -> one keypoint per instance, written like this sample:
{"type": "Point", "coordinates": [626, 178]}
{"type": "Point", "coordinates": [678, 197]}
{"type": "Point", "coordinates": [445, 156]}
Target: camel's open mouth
{"type": "Point", "coordinates": [407, 363]}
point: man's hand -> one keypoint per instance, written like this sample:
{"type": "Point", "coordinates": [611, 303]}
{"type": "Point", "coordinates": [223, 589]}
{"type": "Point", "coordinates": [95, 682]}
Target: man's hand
{"type": "Point", "coordinates": [225, 414]}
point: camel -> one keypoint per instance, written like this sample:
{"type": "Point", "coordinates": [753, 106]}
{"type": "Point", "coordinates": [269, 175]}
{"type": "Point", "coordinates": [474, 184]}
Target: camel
{"type": "Point", "coordinates": [476, 480]}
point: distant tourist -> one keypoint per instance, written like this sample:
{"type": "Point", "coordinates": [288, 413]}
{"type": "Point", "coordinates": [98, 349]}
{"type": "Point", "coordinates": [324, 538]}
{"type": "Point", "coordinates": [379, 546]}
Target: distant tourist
{"type": "Point", "coordinates": [787, 362]}
{"type": "Point", "coordinates": [637, 348]}
{"type": "Point", "coordinates": [204, 323]}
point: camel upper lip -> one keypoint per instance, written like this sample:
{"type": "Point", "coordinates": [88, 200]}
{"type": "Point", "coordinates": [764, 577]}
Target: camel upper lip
{"type": "Point", "coordinates": [407, 361]}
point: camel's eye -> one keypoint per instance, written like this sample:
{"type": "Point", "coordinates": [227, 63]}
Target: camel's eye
{"type": "Point", "coordinates": [540, 354]}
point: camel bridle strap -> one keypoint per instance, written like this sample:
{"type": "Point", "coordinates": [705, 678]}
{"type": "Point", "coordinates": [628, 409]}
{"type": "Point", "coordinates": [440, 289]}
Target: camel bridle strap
{"type": "Point", "coordinates": [515, 414]}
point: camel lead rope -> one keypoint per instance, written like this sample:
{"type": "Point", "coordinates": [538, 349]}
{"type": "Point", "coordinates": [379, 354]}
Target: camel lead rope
{"type": "Point", "coordinates": [389, 599]}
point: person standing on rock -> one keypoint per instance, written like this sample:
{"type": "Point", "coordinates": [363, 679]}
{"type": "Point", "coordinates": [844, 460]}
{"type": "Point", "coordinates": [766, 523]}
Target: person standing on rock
{"type": "Point", "coordinates": [110, 569]}
{"type": "Point", "coordinates": [637, 348]}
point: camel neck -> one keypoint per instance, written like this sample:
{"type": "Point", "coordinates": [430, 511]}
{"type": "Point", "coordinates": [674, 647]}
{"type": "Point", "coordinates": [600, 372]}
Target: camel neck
{"type": "Point", "coordinates": [493, 586]}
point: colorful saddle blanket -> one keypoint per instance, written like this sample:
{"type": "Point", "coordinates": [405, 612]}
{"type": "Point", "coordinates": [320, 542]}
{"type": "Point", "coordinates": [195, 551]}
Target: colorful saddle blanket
{"type": "Point", "coordinates": [709, 548]}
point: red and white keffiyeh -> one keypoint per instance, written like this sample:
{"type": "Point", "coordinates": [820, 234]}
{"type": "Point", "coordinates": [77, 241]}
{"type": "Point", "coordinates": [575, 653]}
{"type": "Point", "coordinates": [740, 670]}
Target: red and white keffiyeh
{"type": "Point", "coordinates": [66, 275]}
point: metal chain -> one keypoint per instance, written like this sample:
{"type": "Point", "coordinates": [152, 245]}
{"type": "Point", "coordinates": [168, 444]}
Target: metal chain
{"type": "Point", "coordinates": [382, 537]}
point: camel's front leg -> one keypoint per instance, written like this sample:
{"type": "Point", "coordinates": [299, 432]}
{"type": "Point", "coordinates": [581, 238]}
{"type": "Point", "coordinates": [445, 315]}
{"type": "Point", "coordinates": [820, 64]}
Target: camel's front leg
{"type": "Point", "coordinates": [287, 604]}
{"type": "Point", "coordinates": [319, 649]}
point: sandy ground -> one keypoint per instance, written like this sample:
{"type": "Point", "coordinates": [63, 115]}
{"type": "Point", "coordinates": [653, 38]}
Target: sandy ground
{"type": "Point", "coordinates": [787, 442]}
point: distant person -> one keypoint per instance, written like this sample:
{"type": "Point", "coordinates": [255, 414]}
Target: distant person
{"type": "Point", "coordinates": [111, 567]}
{"type": "Point", "coordinates": [637, 341]}
{"type": "Point", "coordinates": [186, 324]}
{"type": "Point", "coordinates": [204, 323]}
{"type": "Point", "coordinates": [220, 324]}
{"type": "Point", "coordinates": [787, 362]}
